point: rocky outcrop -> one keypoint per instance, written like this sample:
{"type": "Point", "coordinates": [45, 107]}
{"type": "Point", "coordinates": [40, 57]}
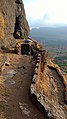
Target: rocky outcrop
{"type": "Point", "coordinates": [8, 18]}
{"type": "Point", "coordinates": [62, 75]}
{"type": "Point", "coordinates": [49, 85]}
{"type": "Point", "coordinates": [49, 89]}
{"type": "Point", "coordinates": [21, 26]}
{"type": "Point", "coordinates": [1, 26]}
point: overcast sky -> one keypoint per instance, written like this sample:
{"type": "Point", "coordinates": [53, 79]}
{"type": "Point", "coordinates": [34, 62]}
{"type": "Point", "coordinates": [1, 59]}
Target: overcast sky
{"type": "Point", "coordinates": [41, 13]}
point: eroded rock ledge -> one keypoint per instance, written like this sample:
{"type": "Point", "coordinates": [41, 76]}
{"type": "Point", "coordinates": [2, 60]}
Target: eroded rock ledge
{"type": "Point", "coordinates": [48, 86]}
{"type": "Point", "coordinates": [10, 10]}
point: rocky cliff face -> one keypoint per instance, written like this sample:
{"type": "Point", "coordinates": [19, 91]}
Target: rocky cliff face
{"type": "Point", "coordinates": [10, 11]}
{"type": "Point", "coordinates": [49, 86]}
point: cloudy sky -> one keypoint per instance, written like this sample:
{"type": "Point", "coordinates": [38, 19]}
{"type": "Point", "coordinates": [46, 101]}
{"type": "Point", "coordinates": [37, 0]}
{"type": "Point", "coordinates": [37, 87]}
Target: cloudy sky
{"type": "Point", "coordinates": [46, 12]}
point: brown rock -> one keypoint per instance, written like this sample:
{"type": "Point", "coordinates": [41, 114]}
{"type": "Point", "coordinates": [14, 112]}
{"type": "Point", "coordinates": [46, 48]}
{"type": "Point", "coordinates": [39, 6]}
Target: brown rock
{"type": "Point", "coordinates": [8, 16]}
{"type": "Point", "coordinates": [1, 26]}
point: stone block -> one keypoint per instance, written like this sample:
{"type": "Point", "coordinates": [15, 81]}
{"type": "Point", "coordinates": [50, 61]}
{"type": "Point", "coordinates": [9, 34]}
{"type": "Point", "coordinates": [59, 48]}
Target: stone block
{"type": "Point", "coordinates": [34, 78]}
{"type": "Point", "coordinates": [37, 65]}
{"type": "Point", "coordinates": [36, 71]}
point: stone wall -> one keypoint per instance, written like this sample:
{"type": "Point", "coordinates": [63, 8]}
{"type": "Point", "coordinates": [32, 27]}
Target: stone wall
{"type": "Point", "coordinates": [44, 89]}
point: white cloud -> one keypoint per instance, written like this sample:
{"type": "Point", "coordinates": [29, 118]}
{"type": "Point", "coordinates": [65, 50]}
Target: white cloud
{"type": "Point", "coordinates": [47, 11]}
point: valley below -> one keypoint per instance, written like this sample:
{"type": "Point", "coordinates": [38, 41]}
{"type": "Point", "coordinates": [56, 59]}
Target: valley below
{"type": "Point", "coordinates": [54, 40]}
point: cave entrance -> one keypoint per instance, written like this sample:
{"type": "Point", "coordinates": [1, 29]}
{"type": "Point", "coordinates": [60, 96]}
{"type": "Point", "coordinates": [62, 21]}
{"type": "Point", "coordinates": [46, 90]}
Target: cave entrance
{"type": "Point", "coordinates": [25, 49]}
{"type": "Point", "coordinates": [18, 28]}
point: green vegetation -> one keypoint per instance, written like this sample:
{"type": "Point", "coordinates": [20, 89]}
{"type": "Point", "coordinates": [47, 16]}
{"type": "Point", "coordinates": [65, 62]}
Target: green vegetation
{"type": "Point", "coordinates": [54, 40]}
{"type": "Point", "coordinates": [62, 65]}
{"type": "Point", "coordinates": [62, 62]}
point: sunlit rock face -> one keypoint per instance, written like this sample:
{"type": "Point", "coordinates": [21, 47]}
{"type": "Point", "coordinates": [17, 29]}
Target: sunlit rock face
{"type": "Point", "coordinates": [1, 26]}
{"type": "Point", "coordinates": [21, 26]}
{"type": "Point", "coordinates": [9, 9]}
{"type": "Point", "coordinates": [49, 87]}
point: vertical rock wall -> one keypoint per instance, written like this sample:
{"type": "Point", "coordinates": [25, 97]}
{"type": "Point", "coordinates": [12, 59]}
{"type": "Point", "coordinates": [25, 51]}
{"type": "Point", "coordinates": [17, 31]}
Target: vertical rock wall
{"type": "Point", "coordinates": [21, 25]}
{"type": "Point", "coordinates": [8, 9]}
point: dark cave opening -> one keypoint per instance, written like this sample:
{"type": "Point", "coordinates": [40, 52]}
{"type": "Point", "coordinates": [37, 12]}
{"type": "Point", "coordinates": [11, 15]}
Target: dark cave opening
{"type": "Point", "coordinates": [17, 29]}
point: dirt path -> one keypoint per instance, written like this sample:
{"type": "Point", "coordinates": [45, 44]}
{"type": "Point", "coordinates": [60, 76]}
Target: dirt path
{"type": "Point", "coordinates": [60, 86]}
{"type": "Point", "coordinates": [17, 104]}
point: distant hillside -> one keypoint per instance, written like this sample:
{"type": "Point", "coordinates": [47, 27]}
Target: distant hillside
{"type": "Point", "coordinates": [49, 34]}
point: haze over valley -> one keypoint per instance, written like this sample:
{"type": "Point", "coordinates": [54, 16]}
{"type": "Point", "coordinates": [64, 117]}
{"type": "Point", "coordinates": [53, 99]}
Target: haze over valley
{"type": "Point", "coordinates": [54, 40]}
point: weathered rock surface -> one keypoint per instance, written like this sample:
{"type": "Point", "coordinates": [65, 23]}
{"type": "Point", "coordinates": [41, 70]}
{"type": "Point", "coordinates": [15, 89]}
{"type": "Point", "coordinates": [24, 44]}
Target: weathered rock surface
{"type": "Point", "coordinates": [8, 10]}
{"type": "Point", "coordinates": [1, 26]}
{"type": "Point", "coordinates": [15, 80]}
{"type": "Point", "coordinates": [49, 85]}
{"type": "Point", "coordinates": [49, 89]}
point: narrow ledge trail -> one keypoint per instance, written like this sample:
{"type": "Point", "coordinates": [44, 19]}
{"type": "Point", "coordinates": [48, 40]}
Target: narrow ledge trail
{"type": "Point", "coordinates": [17, 104]}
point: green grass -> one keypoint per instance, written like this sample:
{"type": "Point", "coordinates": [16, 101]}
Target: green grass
{"type": "Point", "coordinates": [62, 65]}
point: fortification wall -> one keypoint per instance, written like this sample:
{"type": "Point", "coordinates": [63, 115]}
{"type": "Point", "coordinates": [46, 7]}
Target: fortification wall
{"type": "Point", "coordinates": [44, 89]}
